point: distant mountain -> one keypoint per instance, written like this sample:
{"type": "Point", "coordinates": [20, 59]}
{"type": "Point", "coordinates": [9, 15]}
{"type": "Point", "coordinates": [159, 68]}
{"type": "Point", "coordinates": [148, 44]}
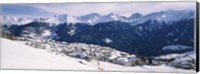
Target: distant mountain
{"type": "Point", "coordinates": [58, 19]}
{"type": "Point", "coordinates": [168, 16]}
{"type": "Point", "coordinates": [135, 16]}
{"type": "Point", "coordinates": [143, 39]}
{"type": "Point", "coordinates": [7, 20]}
{"type": "Point", "coordinates": [145, 35]}
{"type": "Point", "coordinates": [90, 18]}
{"type": "Point", "coordinates": [33, 29]}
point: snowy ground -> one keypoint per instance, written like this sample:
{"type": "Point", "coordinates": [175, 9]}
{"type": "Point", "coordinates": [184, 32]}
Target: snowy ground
{"type": "Point", "coordinates": [17, 55]}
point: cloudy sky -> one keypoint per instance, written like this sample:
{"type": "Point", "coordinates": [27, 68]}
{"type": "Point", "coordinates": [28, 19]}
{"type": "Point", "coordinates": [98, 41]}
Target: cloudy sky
{"type": "Point", "coordinates": [78, 9]}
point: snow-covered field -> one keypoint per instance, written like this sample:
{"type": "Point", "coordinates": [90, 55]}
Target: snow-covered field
{"type": "Point", "coordinates": [17, 55]}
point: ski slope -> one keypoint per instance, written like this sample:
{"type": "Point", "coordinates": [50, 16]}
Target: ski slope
{"type": "Point", "coordinates": [16, 55]}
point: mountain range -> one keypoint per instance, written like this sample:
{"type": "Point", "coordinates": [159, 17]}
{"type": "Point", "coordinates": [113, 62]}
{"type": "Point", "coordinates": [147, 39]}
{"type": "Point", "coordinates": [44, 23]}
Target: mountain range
{"type": "Point", "coordinates": [144, 35]}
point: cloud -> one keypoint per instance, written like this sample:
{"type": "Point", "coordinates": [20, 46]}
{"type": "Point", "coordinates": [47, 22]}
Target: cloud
{"type": "Point", "coordinates": [78, 9]}
{"type": "Point", "coordinates": [22, 10]}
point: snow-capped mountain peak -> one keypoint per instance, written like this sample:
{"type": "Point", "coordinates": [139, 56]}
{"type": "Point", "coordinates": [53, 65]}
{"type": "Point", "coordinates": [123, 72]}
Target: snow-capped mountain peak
{"type": "Point", "coordinates": [89, 18]}
{"type": "Point", "coordinates": [168, 16]}
{"type": "Point", "coordinates": [72, 19]}
{"type": "Point", "coordinates": [59, 19]}
{"type": "Point", "coordinates": [114, 16]}
{"type": "Point", "coordinates": [8, 20]}
{"type": "Point", "coordinates": [135, 16]}
{"type": "Point", "coordinates": [91, 15]}
{"type": "Point", "coordinates": [171, 15]}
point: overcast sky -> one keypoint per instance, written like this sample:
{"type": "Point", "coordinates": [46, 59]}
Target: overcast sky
{"type": "Point", "coordinates": [77, 9]}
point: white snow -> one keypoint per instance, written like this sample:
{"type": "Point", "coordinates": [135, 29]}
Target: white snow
{"type": "Point", "coordinates": [122, 60]}
{"type": "Point", "coordinates": [60, 19]}
{"type": "Point", "coordinates": [72, 19]}
{"type": "Point", "coordinates": [81, 54]}
{"type": "Point", "coordinates": [163, 16]}
{"type": "Point", "coordinates": [175, 47]}
{"type": "Point", "coordinates": [71, 32]}
{"type": "Point", "coordinates": [8, 20]}
{"type": "Point", "coordinates": [114, 17]}
{"type": "Point", "coordinates": [107, 40]}
{"type": "Point", "coordinates": [52, 20]}
{"type": "Point", "coordinates": [190, 54]}
{"type": "Point", "coordinates": [140, 28]}
{"type": "Point", "coordinates": [168, 16]}
{"type": "Point", "coordinates": [16, 55]}
{"type": "Point", "coordinates": [92, 21]}
{"type": "Point", "coordinates": [46, 33]}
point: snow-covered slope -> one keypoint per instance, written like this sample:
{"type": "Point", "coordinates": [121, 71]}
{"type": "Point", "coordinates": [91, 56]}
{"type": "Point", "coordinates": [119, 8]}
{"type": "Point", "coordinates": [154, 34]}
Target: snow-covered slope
{"type": "Point", "coordinates": [16, 55]}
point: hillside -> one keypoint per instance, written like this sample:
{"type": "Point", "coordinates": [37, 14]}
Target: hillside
{"type": "Point", "coordinates": [16, 55]}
